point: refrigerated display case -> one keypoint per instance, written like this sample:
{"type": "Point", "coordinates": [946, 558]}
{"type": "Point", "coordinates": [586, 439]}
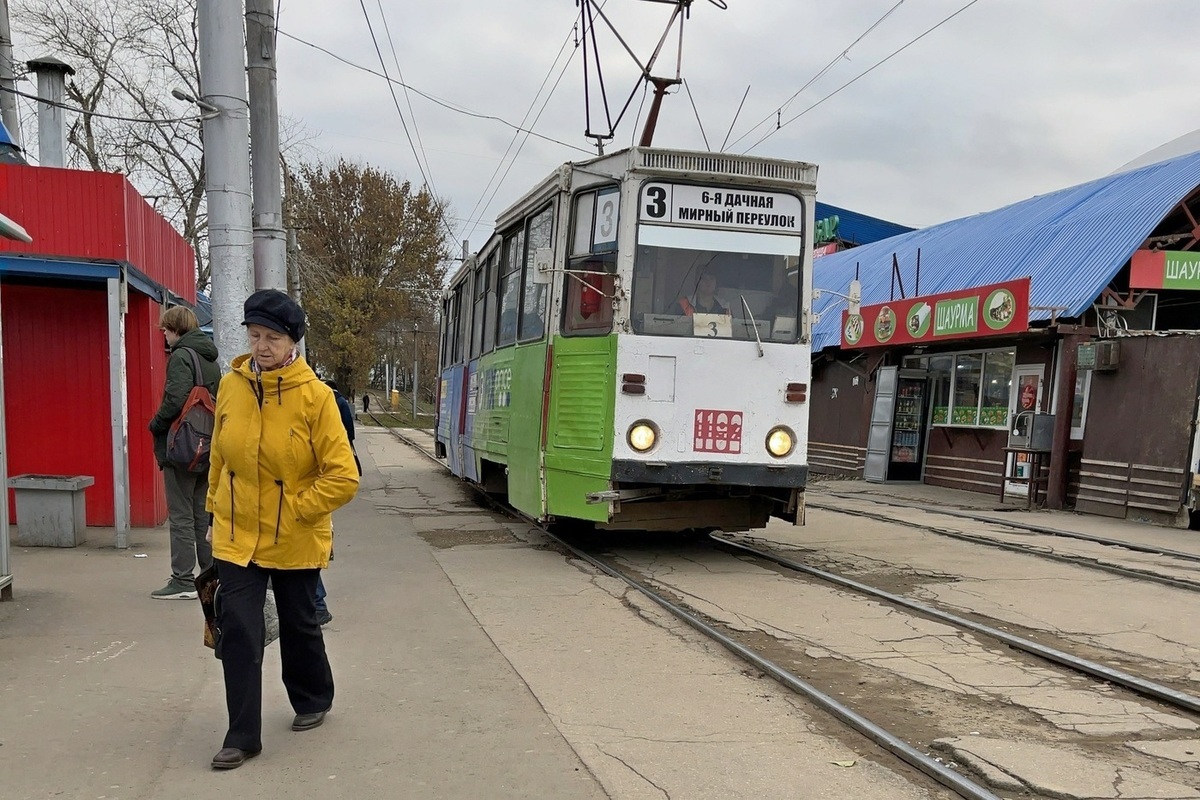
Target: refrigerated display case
{"type": "Point", "coordinates": [896, 443]}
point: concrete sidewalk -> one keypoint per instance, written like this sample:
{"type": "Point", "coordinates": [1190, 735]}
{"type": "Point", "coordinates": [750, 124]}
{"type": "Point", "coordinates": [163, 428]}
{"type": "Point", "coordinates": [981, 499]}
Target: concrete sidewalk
{"type": "Point", "coordinates": [109, 694]}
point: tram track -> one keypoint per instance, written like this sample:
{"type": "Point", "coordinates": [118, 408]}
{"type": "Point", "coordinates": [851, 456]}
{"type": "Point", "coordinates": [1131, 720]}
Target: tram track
{"type": "Point", "coordinates": [932, 767]}
{"type": "Point", "coordinates": [1024, 526]}
{"type": "Point", "coordinates": [1077, 560]}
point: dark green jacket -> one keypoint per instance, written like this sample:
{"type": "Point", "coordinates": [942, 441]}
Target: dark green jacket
{"type": "Point", "coordinates": [180, 381]}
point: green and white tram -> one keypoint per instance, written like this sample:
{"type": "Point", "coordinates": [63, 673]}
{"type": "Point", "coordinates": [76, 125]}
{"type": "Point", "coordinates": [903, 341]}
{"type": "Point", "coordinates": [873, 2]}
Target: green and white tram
{"type": "Point", "coordinates": [631, 346]}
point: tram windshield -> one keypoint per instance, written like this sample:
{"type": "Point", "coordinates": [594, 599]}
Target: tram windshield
{"type": "Point", "coordinates": [725, 284]}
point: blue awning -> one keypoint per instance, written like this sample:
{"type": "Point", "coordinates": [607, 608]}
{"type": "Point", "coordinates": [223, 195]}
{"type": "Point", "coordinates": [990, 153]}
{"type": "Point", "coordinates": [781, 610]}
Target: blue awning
{"type": "Point", "coordinates": [1071, 243]}
{"type": "Point", "coordinates": [57, 269]}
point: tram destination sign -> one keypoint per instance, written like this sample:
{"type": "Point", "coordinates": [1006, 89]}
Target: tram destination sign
{"type": "Point", "coordinates": [721, 207]}
{"type": "Point", "coordinates": [998, 309]}
{"type": "Point", "coordinates": [1165, 269]}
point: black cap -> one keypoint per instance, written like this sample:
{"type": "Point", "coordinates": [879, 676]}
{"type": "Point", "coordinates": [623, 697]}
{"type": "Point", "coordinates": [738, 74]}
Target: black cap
{"type": "Point", "coordinates": [273, 309]}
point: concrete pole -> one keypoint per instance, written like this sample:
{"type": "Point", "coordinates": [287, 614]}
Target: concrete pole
{"type": "Point", "coordinates": [8, 100]}
{"type": "Point", "coordinates": [52, 122]}
{"type": "Point", "coordinates": [227, 174]}
{"type": "Point", "coordinates": [270, 239]}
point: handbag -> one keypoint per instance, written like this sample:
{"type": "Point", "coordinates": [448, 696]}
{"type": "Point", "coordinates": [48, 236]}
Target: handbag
{"type": "Point", "coordinates": [208, 589]}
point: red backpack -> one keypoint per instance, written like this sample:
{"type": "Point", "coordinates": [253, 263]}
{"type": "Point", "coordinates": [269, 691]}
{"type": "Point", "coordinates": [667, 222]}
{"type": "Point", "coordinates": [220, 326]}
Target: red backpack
{"type": "Point", "coordinates": [190, 437]}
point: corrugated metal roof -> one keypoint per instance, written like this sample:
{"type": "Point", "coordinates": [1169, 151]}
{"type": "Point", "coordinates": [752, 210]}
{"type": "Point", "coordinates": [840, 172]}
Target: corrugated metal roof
{"type": "Point", "coordinates": [859, 228]}
{"type": "Point", "coordinates": [1071, 243]}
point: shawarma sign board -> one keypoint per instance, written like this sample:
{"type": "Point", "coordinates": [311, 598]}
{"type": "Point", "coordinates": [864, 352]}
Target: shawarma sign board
{"type": "Point", "coordinates": [998, 309]}
{"type": "Point", "coordinates": [1164, 269]}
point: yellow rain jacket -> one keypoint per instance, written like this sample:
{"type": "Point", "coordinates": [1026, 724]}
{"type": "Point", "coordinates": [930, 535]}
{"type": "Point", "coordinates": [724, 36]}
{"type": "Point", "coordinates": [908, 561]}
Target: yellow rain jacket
{"type": "Point", "coordinates": [281, 464]}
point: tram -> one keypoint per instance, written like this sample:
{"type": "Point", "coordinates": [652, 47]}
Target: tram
{"type": "Point", "coordinates": [630, 348]}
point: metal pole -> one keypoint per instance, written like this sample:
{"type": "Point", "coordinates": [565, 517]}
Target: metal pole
{"type": "Point", "coordinates": [5, 569]}
{"type": "Point", "coordinates": [270, 239]}
{"type": "Point", "coordinates": [227, 161]}
{"type": "Point", "coordinates": [1064, 391]}
{"type": "Point", "coordinates": [416, 332]}
{"type": "Point", "coordinates": [119, 407]}
{"type": "Point", "coordinates": [8, 100]}
{"type": "Point", "coordinates": [52, 123]}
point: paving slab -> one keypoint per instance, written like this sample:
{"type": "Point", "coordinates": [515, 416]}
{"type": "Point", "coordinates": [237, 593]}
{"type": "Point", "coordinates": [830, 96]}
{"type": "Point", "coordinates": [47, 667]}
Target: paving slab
{"type": "Point", "coordinates": [1182, 751]}
{"type": "Point", "coordinates": [105, 693]}
{"type": "Point", "coordinates": [1050, 771]}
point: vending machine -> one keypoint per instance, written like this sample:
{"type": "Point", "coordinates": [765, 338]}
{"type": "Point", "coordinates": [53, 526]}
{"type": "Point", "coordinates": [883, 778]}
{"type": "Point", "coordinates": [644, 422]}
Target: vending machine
{"type": "Point", "coordinates": [896, 442]}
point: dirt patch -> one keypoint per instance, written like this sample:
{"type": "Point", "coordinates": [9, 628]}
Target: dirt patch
{"type": "Point", "coordinates": [446, 539]}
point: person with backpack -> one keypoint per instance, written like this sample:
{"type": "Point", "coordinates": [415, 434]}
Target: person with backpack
{"type": "Point", "coordinates": [281, 464]}
{"type": "Point", "coordinates": [186, 483]}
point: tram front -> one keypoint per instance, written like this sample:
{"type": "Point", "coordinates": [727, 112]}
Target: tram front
{"type": "Point", "coordinates": [713, 362]}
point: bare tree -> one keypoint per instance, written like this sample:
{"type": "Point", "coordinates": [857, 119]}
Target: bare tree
{"type": "Point", "coordinates": [128, 55]}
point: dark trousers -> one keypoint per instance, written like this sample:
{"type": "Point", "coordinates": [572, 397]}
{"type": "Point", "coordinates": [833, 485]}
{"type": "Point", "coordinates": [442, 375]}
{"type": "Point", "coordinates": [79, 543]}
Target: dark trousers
{"type": "Point", "coordinates": [186, 493]}
{"type": "Point", "coordinates": [306, 673]}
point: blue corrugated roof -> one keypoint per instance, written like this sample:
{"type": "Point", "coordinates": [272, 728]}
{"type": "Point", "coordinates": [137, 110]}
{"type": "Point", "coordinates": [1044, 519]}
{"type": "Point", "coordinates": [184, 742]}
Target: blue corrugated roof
{"type": "Point", "coordinates": [1071, 243]}
{"type": "Point", "coordinates": [858, 228]}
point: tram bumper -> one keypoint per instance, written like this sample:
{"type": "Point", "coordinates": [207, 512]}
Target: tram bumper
{"type": "Point", "coordinates": [648, 495]}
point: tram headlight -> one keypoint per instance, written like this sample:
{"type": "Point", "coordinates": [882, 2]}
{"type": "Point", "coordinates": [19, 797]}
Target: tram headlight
{"type": "Point", "coordinates": [780, 441]}
{"type": "Point", "coordinates": [642, 436]}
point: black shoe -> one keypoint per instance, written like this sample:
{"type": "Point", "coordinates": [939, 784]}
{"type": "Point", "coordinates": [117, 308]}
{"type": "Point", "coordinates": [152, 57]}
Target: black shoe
{"type": "Point", "coordinates": [306, 722]}
{"type": "Point", "coordinates": [324, 617]}
{"type": "Point", "coordinates": [232, 758]}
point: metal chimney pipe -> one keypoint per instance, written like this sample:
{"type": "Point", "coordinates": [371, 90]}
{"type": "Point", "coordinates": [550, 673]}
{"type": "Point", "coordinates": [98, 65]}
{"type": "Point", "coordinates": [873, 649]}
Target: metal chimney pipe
{"type": "Point", "coordinates": [52, 124]}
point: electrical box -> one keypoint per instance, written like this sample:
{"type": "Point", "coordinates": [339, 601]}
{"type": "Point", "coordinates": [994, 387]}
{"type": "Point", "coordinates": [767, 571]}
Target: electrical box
{"type": "Point", "coordinates": [1032, 431]}
{"type": "Point", "coordinates": [1101, 356]}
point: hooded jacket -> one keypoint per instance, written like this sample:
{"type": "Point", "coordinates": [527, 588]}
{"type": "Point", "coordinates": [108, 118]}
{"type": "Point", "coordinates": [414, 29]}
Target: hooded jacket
{"type": "Point", "coordinates": [281, 464]}
{"type": "Point", "coordinates": [180, 380]}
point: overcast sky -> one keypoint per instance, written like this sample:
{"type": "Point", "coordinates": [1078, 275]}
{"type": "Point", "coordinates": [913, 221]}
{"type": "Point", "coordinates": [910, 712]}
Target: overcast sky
{"type": "Point", "coordinates": [1009, 99]}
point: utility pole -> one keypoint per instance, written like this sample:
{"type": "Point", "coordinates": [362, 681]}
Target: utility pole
{"type": "Point", "coordinates": [415, 383]}
{"type": "Point", "coordinates": [227, 178]}
{"type": "Point", "coordinates": [270, 239]}
{"type": "Point", "coordinates": [8, 83]}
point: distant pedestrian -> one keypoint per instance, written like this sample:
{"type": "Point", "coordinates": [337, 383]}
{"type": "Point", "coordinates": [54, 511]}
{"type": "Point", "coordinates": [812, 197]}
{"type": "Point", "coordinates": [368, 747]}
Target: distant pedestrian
{"type": "Point", "coordinates": [281, 465]}
{"type": "Point", "coordinates": [347, 413]}
{"type": "Point", "coordinates": [185, 490]}
{"type": "Point", "coordinates": [366, 402]}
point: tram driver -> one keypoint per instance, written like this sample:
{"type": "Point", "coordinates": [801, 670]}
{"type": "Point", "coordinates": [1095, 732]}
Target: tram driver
{"type": "Point", "coordinates": [704, 300]}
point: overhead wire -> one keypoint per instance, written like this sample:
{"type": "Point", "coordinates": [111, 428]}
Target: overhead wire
{"type": "Point", "coordinates": [86, 113]}
{"type": "Point", "coordinates": [861, 75]}
{"type": "Point", "coordinates": [400, 73]}
{"type": "Point", "coordinates": [533, 103]}
{"type": "Point", "coordinates": [820, 74]}
{"type": "Point", "coordinates": [431, 98]}
{"type": "Point", "coordinates": [396, 102]}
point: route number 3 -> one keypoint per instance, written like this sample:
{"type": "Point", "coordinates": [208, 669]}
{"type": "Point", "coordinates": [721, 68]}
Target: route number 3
{"type": "Point", "coordinates": [657, 207]}
{"type": "Point", "coordinates": [605, 219]}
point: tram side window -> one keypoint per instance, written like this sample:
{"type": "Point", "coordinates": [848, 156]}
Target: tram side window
{"type": "Point", "coordinates": [447, 331]}
{"type": "Point", "coordinates": [588, 310]}
{"type": "Point", "coordinates": [462, 307]}
{"type": "Point", "coordinates": [479, 302]}
{"type": "Point", "coordinates": [489, 290]}
{"type": "Point", "coordinates": [510, 287]}
{"type": "Point", "coordinates": [533, 295]}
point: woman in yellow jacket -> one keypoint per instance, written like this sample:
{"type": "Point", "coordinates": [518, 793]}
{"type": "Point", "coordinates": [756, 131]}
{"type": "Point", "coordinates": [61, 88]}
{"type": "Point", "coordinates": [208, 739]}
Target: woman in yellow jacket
{"type": "Point", "coordinates": [281, 464]}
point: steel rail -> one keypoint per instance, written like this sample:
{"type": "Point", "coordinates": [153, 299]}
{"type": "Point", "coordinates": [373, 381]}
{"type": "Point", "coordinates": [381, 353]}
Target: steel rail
{"type": "Point", "coordinates": [1085, 561]}
{"type": "Point", "coordinates": [1086, 537]}
{"type": "Point", "coordinates": [1142, 686]}
{"type": "Point", "coordinates": [881, 736]}
{"type": "Point", "coordinates": [939, 772]}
